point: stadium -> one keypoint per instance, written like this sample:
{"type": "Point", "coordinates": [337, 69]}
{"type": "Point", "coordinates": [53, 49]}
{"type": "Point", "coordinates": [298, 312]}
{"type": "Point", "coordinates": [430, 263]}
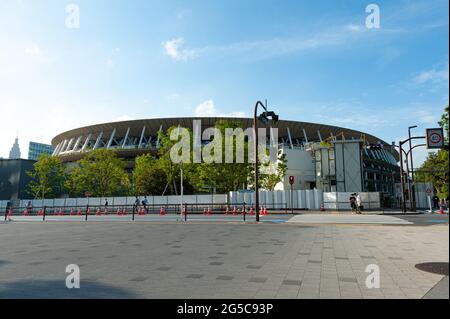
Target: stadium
{"type": "Point", "coordinates": [319, 156]}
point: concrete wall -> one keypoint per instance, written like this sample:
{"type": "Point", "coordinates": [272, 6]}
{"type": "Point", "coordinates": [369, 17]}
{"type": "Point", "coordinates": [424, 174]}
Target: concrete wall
{"type": "Point", "coordinates": [300, 164]}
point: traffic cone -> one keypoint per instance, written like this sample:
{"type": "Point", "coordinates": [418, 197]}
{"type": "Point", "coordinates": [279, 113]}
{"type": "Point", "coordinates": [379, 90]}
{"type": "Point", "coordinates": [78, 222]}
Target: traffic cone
{"type": "Point", "coordinates": [209, 212]}
{"type": "Point", "coordinates": [184, 210]}
{"type": "Point", "coordinates": [88, 211]}
{"type": "Point", "coordinates": [61, 212]}
{"type": "Point", "coordinates": [79, 212]}
{"type": "Point", "coordinates": [124, 211]}
{"type": "Point", "coordinates": [243, 210]}
{"type": "Point", "coordinates": [10, 212]}
{"type": "Point", "coordinates": [105, 211]}
{"type": "Point", "coordinates": [162, 211]}
{"type": "Point", "coordinates": [55, 212]}
{"type": "Point", "coordinates": [119, 212]}
{"type": "Point", "coordinates": [204, 211]}
{"type": "Point", "coordinates": [40, 212]}
{"type": "Point", "coordinates": [252, 212]}
{"type": "Point", "coordinates": [227, 212]}
{"type": "Point", "coordinates": [141, 212]}
{"type": "Point", "coordinates": [98, 213]}
{"type": "Point", "coordinates": [265, 211]}
{"type": "Point", "coordinates": [235, 211]}
{"type": "Point", "coordinates": [441, 210]}
{"type": "Point", "coordinates": [25, 212]}
{"type": "Point", "coordinates": [322, 209]}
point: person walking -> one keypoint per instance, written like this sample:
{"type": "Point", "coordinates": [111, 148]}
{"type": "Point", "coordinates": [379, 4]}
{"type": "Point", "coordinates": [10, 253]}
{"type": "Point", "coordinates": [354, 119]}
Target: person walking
{"type": "Point", "coordinates": [136, 204]}
{"type": "Point", "coordinates": [352, 200]}
{"type": "Point", "coordinates": [106, 205]}
{"type": "Point", "coordinates": [359, 206]}
{"type": "Point", "coordinates": [29, 207]}
{"type": "Point", "coordinates": [145, 203]}
{"type": "Point", "coordinates": [435, 202]}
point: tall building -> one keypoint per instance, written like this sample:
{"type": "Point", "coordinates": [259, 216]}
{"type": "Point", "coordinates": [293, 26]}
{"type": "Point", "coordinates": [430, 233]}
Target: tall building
{"type": "Point", "coordinates": [36, 149]}
{"type": "Point", "coordinates": [15, 150]}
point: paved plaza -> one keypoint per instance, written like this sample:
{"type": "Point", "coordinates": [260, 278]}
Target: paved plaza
{"type": "Point", "coordinates": [216, 258]}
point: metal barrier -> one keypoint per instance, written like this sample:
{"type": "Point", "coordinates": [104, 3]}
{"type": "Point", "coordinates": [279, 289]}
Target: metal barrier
{"type": "Point", "coordinates": [242, 209]}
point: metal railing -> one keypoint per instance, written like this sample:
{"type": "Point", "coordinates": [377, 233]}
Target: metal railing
{"type": "Point", "coordinates": [134, 211]}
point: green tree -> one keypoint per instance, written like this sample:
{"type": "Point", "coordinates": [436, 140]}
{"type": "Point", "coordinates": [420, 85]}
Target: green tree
{"type": "Point", "coordinates": [47, 178]}
{"type": "Point", "coordinates": [435, 168]}
{"type": "Point", "coordinates": [148, 177]}
{"type": "Point", "coordinates": [223, 176]}
{"type": "Point", "coordinates": [100, 172]}
{"type": "Point", "coordinates": [273, 173]}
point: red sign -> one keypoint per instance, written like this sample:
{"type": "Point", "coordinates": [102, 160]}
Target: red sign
{"type": "Point", "coordinates": [428, 191]}
{"type": "Point", "coordinates": [291, 180]}
{"type": "Point", "coordinates": [87, 194]}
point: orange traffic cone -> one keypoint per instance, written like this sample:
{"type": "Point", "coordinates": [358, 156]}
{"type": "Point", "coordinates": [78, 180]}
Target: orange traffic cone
{"type": "Point", "coordinates": [441, 210]}
{"type": "Point", "coordinates": [105, 211]}
{"type": "Point", "coordinates": [252, 212]}
{"type": "Point", "coordinates": [61, 212]}
{"type": "Point", "coordinates": [227, 212]}
{"type": "Point", "coordinates": [162, 211]}
{"type": "Point", "coordinates": [235, 211]}
{"type": "Point", "coordinates": [25, 212]}
{"type": "Point", "coordinates": [79, 212]}
{"type": "Point", "coordinates": [209, 212]}
{"type": "Point", "coordinates": [40, 212]}
{"type": "Point", "coordinates": [184, 211]}
{"type": "Point", "coordinates": [98, 213]}
{"type": "Point", "coordinates": [265, 211]}
{"type": "Point", "coordinates": [141, 212]}
{"type": "Point", "coordinates": [119, 212]}
{"type": "Point", "coordinates": [124, 211]}
{"type": "Point", "coordinates": [55, 212]}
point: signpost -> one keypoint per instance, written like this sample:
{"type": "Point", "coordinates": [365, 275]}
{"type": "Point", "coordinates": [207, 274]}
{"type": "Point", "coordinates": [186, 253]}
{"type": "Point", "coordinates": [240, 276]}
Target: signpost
{"type": "Point", "coordinates": [428, 191]}
{"type": "Point", "coordinates": [291, 181]}
{"type": "Point", "coordinates": [435, 138]}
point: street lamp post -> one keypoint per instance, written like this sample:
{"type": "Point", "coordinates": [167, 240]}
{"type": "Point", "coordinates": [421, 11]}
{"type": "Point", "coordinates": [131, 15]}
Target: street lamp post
{"type": "Point", "coordinates": [264, 117]}
{"type": "Point", "coordinates": [412, 190]}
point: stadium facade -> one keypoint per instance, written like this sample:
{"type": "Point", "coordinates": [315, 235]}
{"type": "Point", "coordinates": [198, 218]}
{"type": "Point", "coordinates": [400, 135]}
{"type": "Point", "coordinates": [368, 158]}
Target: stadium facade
{"type": "Point", "coordinates": [319, 156]}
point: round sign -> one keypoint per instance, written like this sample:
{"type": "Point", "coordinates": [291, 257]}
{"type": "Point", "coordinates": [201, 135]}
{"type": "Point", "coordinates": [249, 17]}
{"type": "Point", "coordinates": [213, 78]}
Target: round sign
{"type": "Point", "coordinates": [428, 191]}
{"type": "Point", "coordinates": [435, 138]}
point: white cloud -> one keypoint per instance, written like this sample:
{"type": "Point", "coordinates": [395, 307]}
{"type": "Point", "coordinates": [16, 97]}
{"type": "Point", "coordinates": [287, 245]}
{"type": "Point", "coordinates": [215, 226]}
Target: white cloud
{"type": "Point", "coordinates": [432, 76]}
{"type": "Point", "coordinates": [353, 27]}
{"type": "Point", "coordinates": [33, 50]}
{"type": "Point", "coordinates": [208, 109]}
{"type": "Point", "coordinates": [174, 50]}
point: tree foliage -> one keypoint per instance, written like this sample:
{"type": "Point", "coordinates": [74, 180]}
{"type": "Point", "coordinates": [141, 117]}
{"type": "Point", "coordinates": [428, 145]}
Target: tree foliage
{"type": "Point", "coordinates": [148, 177]}
{"type": "Point", "coordinates": [100, 172]}
{"type": "Point", "coordinates": [435, 169]}
{"type": "Point", "coordinates": [47, 178]}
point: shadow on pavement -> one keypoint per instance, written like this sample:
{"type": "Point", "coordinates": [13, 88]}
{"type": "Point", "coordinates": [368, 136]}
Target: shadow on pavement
{"type": "Point", "coordinates": [56, 289]}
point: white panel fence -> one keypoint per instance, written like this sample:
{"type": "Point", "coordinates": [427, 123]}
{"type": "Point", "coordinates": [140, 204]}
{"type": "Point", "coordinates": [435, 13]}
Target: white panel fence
{"type": "Point", "coordinates": [301, 200]}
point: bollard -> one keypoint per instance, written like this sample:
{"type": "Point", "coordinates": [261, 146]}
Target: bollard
{"type": "Point", "coordinates": [87, 211]}
{"type": "Point", "coordinates": [6, 213]}
{"type": "Point", "coordinates": [132, 218]}
{"type": "Point", "coordinates": [43, 213]}
{"type": "Point", "coordinates": [243, 212]}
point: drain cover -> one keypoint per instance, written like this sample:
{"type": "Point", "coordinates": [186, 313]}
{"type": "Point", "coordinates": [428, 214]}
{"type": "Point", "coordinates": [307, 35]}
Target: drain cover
{"type": "Point", "coordinates": [435, 268]}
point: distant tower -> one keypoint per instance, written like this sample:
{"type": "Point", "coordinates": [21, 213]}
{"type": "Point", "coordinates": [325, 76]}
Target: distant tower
{"type": "Point", "coordinates": [15, 150]}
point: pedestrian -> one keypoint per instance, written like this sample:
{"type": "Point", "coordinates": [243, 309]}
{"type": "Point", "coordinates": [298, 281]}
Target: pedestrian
{"type": "Point", "coordinates": [106, 205]}
{"type": "Point", "coordinates": [435, 202]}
{"type": "Point", "coordinates": [145, 203]}
{"type": "Point", "coordinates": [136, 204]}
{"type": "Point", "coordinates": [29, 207]}
{"type": "Point", "coordinates": [352, 200]}
{"type": "Point", "coordinates": [359, 206]}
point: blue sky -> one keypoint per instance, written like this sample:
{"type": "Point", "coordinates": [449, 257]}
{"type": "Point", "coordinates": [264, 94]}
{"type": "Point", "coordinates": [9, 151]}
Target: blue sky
{"type": "Point", "coordinates": [314, 61]}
